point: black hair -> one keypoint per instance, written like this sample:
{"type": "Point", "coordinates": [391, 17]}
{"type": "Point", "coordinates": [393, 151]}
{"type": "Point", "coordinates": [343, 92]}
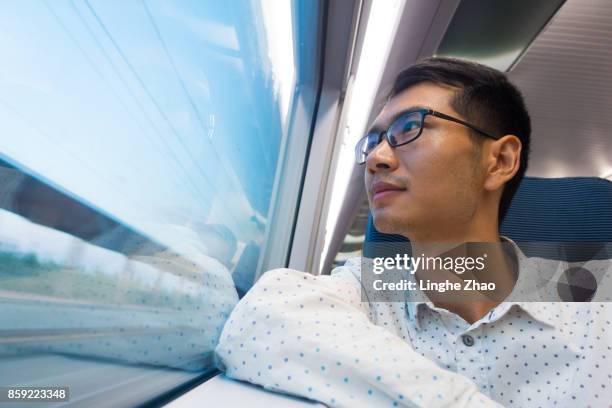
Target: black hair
{"type": "Point", "coordinates": [485, 97]}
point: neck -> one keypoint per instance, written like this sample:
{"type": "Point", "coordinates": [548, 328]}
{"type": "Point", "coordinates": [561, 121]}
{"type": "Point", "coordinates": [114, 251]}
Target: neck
{"type": "Point", "coordinates": [477, 243]}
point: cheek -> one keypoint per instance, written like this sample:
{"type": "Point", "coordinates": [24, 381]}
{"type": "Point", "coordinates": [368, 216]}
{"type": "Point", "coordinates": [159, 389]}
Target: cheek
{"type": "Point", "coordinates": [424, 166]}
{"type": "Point", "coordinates": [440, 174]}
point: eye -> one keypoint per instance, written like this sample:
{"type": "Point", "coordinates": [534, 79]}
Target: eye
{"type": "Point", "coordinates": [411, 125]}
{"type": "Point", "coordinates": [371, 143]}
{"type": "Point", "coordinates": [405, 129]}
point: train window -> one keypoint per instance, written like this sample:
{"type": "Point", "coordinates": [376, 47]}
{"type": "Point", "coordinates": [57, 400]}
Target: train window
{"type": "Point", "coordinates": [141, 148]}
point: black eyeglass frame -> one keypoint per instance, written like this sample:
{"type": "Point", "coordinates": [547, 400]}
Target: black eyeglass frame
{"type": "Point", "coordinates": [424, 112]}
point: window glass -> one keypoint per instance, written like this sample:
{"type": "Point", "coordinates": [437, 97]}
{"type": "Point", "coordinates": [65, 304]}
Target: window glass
{"type": "Point", "coordinates": [352, 244]}
{"type": "Point", "coordinates": [139, 145]}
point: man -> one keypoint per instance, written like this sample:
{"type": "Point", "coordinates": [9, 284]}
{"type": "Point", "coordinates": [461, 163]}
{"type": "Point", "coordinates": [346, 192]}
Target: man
{"type": "Point", "coordinates": [442, 162]}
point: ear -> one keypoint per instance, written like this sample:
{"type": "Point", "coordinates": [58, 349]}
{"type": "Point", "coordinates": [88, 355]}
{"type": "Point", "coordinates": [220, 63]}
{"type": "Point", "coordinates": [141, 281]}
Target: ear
{"type": "Point", "coordinates": [503, 161]}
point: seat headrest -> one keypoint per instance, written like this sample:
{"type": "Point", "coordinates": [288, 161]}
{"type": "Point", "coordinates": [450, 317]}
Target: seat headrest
{"type": "Point", "coordinates": [567, 219]}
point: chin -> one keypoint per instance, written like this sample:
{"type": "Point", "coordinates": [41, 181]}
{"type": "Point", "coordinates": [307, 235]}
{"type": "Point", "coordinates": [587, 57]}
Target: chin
{"type": "Point", "coordinates": [389, 220]}
{"type": "Point", "coordinates": [386, 223]}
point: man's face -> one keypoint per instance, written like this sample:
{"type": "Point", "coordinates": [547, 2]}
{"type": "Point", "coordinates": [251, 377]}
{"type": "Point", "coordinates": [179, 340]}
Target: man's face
{"type": "Point", "coordinates": [438, 176]}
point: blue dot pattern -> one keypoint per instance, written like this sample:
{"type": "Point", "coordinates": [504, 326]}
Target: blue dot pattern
{"type": "Point", "coordinates": [314, 337]}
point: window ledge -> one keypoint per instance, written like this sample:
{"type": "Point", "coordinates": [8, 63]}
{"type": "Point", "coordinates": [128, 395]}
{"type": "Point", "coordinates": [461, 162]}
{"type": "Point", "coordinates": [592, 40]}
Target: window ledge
{"type": "Point", "coordinates": [224, 392]}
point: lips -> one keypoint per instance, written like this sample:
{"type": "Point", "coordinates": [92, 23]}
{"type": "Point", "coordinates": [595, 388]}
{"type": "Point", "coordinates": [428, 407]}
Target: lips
{"type": "Point", "coordinates": [381, 189]}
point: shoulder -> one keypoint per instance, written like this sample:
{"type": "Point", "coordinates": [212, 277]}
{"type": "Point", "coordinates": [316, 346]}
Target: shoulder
{"type": "Point", "coordinates": [350, 272]}
{"type": "Point", "coordinates": [342, 283]}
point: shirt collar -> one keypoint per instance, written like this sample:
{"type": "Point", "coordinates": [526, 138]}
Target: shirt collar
{"type": "Point", "coordinates": [533, 292]}
{"type": "Point", "coordinates": [527, 294]}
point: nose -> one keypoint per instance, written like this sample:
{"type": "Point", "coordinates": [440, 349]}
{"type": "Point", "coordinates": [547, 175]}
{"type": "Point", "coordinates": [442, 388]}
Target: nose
{"type": "Point", "coordinates": [382, 158]}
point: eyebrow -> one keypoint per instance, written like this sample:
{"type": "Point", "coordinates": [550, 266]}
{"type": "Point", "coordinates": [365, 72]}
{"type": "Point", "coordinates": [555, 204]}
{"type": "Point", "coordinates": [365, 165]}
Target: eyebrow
{"type": "Point", "coordinates": [378, 128]}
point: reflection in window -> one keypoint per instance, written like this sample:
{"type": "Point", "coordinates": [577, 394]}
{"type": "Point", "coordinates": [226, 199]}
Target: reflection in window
{"type": "Point", "coordinates": [138, 151]}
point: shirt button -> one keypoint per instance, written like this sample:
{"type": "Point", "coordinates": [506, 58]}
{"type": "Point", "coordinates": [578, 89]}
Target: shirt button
{"type": "Point", "coordinates": [467, 340]}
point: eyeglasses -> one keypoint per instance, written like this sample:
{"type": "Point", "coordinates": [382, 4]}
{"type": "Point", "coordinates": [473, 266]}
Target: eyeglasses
{"type": "Point", "coordinates": [405, 129]}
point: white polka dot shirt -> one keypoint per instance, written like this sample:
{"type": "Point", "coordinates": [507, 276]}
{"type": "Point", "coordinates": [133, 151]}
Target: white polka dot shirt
{"type": "Point", "coordinates": [314, 337]}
